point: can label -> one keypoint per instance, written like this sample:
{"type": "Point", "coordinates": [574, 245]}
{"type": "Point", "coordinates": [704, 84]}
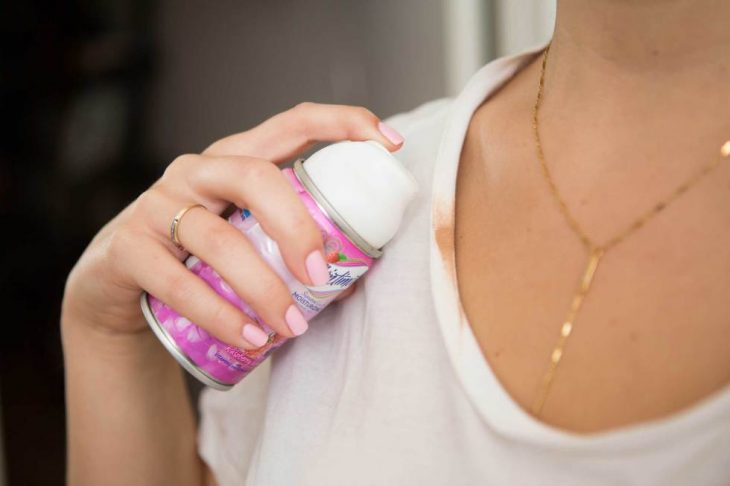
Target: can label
{"type": "Point", "coordinates": [226, 365]}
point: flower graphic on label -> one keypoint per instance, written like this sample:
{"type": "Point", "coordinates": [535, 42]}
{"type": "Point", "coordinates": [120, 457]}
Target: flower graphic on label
{"type": "Point", "coordinates": [331, 243]}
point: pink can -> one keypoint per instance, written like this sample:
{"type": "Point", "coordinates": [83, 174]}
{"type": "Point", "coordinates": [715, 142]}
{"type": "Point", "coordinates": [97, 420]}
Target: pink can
{"type": "Point", "coordinates": [357, 210]}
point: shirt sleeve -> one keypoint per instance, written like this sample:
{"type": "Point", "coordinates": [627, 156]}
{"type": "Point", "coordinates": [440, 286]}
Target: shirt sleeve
{"type": "Point", "coordinates": [231, 421]}
{"type": "Point", "coordinates": [230, 425]}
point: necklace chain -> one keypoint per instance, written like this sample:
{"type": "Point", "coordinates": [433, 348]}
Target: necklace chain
{"type": "Point", "coordinates": [596, 251]}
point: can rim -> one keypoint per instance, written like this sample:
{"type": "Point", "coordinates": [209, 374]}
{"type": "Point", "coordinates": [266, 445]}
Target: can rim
{"type": "Point", "coordinates": [301, 174]}
{"type": "Point", "coordinates": [175, 350]}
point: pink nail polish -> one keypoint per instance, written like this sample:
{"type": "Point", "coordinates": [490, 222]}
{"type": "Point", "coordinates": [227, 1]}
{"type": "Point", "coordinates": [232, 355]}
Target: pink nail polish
{"type": "Point", "coordinates": [336, 189]}
{"type": "Point", "coordinates": [295, 320]}
{"type": "Point", "coordinates": [317, 268]}
{"type": "Point", "coordinates": [254, 335]}
{"type": "Point", "coordinates": [390, 133]}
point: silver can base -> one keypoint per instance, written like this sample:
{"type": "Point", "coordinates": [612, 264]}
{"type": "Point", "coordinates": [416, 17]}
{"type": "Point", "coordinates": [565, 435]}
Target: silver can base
{"type": "Point", "coordinates": [175, 350]}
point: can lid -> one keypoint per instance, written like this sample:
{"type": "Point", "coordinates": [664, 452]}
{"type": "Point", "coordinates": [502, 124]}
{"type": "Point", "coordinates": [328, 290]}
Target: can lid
{"type": "Point", "coordinates": [368, 187]}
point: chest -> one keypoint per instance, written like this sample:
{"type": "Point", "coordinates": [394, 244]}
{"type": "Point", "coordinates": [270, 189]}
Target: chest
{"type": "Point", "coordinates": [651, 336]}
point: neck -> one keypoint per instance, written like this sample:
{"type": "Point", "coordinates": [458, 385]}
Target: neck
{"type": "Point", "coordinates": [651, 76]}
{"type": "Point", "coordinates": [615, 61]}
{"type": "Point", "coordinates": [644, 37]}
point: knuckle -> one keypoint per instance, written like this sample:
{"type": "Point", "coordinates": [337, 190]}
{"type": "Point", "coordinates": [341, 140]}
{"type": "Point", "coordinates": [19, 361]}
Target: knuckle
{"type": "Point", "coordinates": [257, 171]}
{"type": "Point", "coordinates": [218, 145]}
{"type": "Point", "coordinates": [181, 165]}
{"type": "Point", "coordinates": [218, 240]}
{"type": "Point", "coordinates": [120, 247]}
{"type": "Point", "coordinates": [224, 320]}
{"type": "Point", "coordinates": [273, 294]}
{"type": "Point", "coordinates": [147, 203]}
{"type": "Point", "coordinates": [300, 118]}
{"type": "Point", "coordinates": [304, 108]}
{"type": "Point", "coordinates": [180, 288]}
{"type": "Point", "coordinates": [198, 175]}
{"type": "Point", "coordinates": [301, 226]}
{"type": "Point", "coordinates": [206, 172]}
{"type": "Point", "coordinates": [363, 114]}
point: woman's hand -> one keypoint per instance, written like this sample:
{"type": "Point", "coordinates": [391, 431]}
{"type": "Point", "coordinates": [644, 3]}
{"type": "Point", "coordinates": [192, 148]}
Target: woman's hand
{"type": "Point", "coordinates": [133, 252]}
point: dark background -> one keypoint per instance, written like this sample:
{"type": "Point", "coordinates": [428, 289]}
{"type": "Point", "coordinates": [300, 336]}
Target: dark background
{"type": "Point", "coordinates": [98, 96]}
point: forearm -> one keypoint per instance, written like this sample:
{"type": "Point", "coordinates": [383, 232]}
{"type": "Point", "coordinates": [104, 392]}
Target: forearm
{"type": "Point", "coordinates": [129, 417]}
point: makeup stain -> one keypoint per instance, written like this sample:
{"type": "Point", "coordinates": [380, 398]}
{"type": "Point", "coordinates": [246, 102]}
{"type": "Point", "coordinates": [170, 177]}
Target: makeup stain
{"type": "Point", "coordinates": [443, 227]}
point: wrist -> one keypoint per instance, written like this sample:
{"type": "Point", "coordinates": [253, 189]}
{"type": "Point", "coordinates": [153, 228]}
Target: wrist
{"type": "Point", "coordinates": [94, 338]}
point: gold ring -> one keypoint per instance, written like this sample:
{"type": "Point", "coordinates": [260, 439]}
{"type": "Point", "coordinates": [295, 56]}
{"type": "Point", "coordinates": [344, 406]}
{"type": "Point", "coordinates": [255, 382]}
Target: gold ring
{"type": "Point", "coordinates": [176, 224]}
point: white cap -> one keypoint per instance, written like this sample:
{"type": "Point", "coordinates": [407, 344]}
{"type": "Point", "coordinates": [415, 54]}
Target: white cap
{"type": "Point", "coordinates": [368, 187]}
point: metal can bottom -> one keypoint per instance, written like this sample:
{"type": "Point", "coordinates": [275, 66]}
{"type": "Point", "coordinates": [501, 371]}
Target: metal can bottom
{"type": "Point", "coordinates": [175, 350]}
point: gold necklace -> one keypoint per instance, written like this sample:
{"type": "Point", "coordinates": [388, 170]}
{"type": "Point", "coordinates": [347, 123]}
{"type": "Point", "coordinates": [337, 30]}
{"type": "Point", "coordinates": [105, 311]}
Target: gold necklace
{"type": "Point", "coordinates": [595, 251]}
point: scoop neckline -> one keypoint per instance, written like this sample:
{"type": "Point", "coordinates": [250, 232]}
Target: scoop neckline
{"type": "Point", "coordinates": [487, 394]}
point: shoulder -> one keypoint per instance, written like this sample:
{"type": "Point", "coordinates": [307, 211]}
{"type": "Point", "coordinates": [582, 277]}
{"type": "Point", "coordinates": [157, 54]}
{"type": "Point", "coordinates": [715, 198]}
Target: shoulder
{"type": "Point", "coordinates": [422, 129]}
{"type": "Point", "coordinates": [446, 120]}
{"type": "Point", "coordinates": [422, 118]}
{"type": "Point", "coordinates": [503, 120]}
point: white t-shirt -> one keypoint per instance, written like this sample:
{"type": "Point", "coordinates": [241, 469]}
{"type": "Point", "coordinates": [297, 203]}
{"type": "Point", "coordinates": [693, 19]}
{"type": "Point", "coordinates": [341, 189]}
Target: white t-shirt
{"type": "Point", "coordinates": [389, 386]}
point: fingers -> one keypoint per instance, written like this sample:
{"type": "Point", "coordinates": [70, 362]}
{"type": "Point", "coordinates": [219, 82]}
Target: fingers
{"type": "Point", "coordinates": [261, 187]}
{"type": "Point", "coordinates": [241, 169]}
{"type": "Point", "coordinates": [231, 254]}
{"type": "Point", "coordinates": [289, 133]}
{"type": "Point", "coordinates": [192, 298]}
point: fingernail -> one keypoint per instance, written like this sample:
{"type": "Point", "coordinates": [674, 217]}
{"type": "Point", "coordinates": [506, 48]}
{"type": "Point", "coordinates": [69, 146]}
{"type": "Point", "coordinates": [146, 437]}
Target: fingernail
{"type": "Point", "coordinates": [317, 268]}
{"type": "Point", "coordinates": [295, 320]}
{"type": "Point", "coordinates": [254, 335]}
{"type": "Point", "coordinates": [390, 133]}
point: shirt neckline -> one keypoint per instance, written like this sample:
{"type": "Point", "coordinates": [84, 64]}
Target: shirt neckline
{"type": "Point", "coordinates": [486, 393]}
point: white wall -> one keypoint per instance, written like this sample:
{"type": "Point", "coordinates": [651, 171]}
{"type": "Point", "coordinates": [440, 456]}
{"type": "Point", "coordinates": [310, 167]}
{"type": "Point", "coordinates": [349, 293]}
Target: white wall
{"type": "Point", "coordinates": [476, 31]}
{"type": "Point", "coordinates": [468, 40]}
{"type": "Point", "coordinates": [520, 24]}
{"type": "Point", "coordinates": [226, 65]}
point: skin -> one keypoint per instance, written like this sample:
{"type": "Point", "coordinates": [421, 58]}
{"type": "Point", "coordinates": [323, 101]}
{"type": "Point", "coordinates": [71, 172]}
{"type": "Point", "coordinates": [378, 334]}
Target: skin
{"type": "Point", "coordinates": [118, 377]}
{"type": "Point", "coordinates": [632, 108]}
{"type": "Point", "coordinates": [650, 340]}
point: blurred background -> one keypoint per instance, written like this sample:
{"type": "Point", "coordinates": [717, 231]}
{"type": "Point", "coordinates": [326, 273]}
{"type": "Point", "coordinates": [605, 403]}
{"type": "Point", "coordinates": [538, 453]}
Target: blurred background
{"type": "Point", "coordinates": [99, 96]}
